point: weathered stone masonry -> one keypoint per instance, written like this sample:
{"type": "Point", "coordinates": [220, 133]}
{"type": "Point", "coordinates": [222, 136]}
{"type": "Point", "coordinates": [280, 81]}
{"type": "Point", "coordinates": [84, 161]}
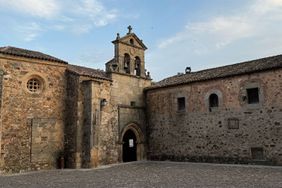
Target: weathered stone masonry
{"type": "Point", "coordinates": [201, 133]}
{"type": "Point", "coordinates": [32, 123]}
{"type": "Point", "coordinates": [54, 114]}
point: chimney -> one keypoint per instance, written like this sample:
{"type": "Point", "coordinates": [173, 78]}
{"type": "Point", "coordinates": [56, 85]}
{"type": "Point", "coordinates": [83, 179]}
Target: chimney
{"type": "Point", "coordinates": [188, 70]}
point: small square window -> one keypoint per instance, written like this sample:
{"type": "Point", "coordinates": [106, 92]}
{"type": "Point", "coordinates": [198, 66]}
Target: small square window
{"type": "Point", "coordinates": [181, 103]}
{"type": "Point", "coordinates": [257, 153]}
{"type": "Point", "coordinates": [132, 103]}
{"type": "Point", "coordinates": [233, 123]}
{"type": "Point", "coordinates": [253, 95]}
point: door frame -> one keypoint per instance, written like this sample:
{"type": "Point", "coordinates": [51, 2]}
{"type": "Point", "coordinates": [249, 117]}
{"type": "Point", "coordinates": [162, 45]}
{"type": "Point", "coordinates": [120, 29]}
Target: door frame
{"type": "Point", "coordinates": [140, 148]}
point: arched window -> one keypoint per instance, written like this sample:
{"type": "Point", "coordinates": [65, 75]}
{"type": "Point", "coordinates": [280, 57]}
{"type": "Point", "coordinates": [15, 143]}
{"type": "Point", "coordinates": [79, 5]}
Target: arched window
{"type": "Point", "coordinates": [213, 100]}
{"type": "Point", "coordinates": [137, 66]}
{"type": "Point", "coordinates": [131, 41]}
{"type": "Point", "coordinates": [126, 64]}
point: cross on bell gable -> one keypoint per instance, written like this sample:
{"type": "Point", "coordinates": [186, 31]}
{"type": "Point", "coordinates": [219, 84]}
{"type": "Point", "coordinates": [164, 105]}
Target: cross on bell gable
{"type": "Point", "coordinates": [129, 29]}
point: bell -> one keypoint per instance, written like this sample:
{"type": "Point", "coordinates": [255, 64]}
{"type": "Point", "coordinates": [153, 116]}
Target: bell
{"type": "Point", "coordinates": [136, 65]}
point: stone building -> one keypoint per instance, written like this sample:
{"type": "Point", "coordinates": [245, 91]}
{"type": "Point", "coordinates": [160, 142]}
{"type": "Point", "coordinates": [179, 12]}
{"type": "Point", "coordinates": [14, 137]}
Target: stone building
{"type": "Point", "coordinates": [54, 113]}
{"type": "Point", "coordinates": [51, 109]}
{"type": "Point", "coordinates": [227, 114]}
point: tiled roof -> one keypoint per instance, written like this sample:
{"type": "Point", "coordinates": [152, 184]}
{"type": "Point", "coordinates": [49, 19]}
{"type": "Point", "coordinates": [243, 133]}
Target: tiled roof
{"type": "Point", "coordinates": [84, 71]}
{"type": "Point", "coordinates": [247, 67]}
{"type": "Point", "coordinates": [29, 54]}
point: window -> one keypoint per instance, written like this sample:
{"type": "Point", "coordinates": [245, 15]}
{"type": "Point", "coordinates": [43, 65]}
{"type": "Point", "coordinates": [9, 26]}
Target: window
{"type": "Point", "coordinates": [137, 66]}
{"type": "Point", "coordinates": [126, 63]}
{"type": "Point", "coordinates": [181, 103]}
{"type": "Point", "coordinates": [253, 95]}
{"type": "Point", "coordinates": [233, 123]}
{"type": "Point", "coordinates": [131, 41]}
{"type": "Point", "coordinates": [34, 85]}
{"type": "Point", "coordinates": [132, 103]}
{"type": "Point", "coordinates": [257, 153]}
{"type": "Point", "coordinates": [213, 100]}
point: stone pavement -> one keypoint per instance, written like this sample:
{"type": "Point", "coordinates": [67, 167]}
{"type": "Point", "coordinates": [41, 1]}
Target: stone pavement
{"type": "Point", "coordinates": [151, 174]}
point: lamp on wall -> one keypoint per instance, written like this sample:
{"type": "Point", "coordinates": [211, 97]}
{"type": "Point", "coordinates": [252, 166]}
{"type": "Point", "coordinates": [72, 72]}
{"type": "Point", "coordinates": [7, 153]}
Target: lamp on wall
{"type": "Point", "coordinates": [114, 66]}
{"type": "Point", "coordinates": [103, 102]}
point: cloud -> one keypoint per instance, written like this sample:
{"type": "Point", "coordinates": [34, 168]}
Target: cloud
{"type": "Point", "coordinates": [227, 29]}
{"type": "Point", "coordinates": [30, 31]}
{"type": "Point", "coordinates": [252, 33]}
{"type": "Point", "coordinates": [78, 17]}
{"type": "Point", "coordinates": [265, 6]}
{"type": "Point", "coordinates": [96, 12]}
{"type": "Point", "coordinates": [38, 8]}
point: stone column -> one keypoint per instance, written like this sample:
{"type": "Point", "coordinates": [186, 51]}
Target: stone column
{"type": "Point", "coordinates": [1, 88]}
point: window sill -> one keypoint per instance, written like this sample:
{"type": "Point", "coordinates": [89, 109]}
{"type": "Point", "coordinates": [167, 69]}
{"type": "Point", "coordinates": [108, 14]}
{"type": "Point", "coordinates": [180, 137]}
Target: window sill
{"type": "Point", "coordinates": [181, 111]}
{"type": "Point", "coordinates": [253, 106]}
{"type": "Point", "coordinates": [213, 109]}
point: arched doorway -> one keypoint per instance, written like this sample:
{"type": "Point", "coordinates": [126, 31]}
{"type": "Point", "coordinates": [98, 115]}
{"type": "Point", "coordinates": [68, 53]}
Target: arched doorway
{"type": "Point", "coordinates": [129, 147]}
{"type": "Point", "coordinates": [133, 150]}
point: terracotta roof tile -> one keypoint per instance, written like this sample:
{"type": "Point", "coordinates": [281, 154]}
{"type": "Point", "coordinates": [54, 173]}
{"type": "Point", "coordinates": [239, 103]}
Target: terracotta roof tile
{"type": "Point", "coordinates": [29, 54]}
{"type": "Point", "coordinates": [84, 71]}
{"type": "Point", "coordinates": [247, 67]}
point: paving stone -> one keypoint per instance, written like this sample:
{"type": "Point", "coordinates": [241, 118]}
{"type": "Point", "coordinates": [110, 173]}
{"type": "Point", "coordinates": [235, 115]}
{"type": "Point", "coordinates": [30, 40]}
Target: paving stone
{"type": "Point", "coordinates": [151, 174]}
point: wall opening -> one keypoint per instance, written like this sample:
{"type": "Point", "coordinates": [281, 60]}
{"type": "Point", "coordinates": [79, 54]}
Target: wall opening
{"type": "Point", "coordinates": [137, 66]}
{"type": "Point", "coordinates": [233, 123]}
{"type": "Point", "coordinates": [253, 95]}
{"type": "Point", "coordinates": [131, 41]}
{"type": "Point", "coordinates": [213, 101]}
{"type": "Point", "coordinates": [181, 103]}
{"type": "Point", "coordinates": [126, 62]}
{"type": "Point", "coordinates": [257, 153]}
{"type": "Point", "coordinates": [129, 147]}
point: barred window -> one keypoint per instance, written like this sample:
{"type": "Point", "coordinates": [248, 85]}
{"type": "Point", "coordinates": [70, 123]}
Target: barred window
{"type": "Point", "coordinates": [34, 85]}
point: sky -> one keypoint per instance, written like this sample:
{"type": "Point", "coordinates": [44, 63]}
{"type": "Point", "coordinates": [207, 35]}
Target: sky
{"type": "Point", "coordinates": [199, 34]}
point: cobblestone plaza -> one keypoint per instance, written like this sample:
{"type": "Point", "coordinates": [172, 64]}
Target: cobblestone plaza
{"type": "Point", "coordinates": [151, 174]}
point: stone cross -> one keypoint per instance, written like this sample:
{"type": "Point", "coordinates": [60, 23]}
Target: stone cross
{"type": "Point", "coordinates": [129, 29]}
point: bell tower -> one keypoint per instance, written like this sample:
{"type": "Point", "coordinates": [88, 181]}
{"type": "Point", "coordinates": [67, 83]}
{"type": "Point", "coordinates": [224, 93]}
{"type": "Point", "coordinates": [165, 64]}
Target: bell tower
{"type": "Point", "coordinates": [129, 56]}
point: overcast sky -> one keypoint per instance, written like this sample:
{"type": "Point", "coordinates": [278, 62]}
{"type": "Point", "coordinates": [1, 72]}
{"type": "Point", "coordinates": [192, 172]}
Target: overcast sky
{"type": "Point", "coordinates": [178, 33]}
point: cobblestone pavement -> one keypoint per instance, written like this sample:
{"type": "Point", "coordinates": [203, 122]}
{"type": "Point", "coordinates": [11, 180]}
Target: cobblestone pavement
{"type": "Point", "coordinates": [151, 174]}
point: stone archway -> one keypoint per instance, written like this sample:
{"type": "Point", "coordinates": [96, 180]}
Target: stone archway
{"type": "Point", "coordinates": [129, 146]}
{"type": "Point", "coordinates": [132, 143]}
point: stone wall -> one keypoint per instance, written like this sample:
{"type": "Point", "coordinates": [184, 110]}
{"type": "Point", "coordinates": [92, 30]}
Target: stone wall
{"type": "Point", "coordinates": [32, 122]}
{"type": "Point", "coordinates": [1, 87]}
{"type": "Point", "coordinates": [71, 118]}
{"type": "Point", "coordinates": [124, 47]}
{"type": "Point", "coordinates": [100, 139]}
{"type": "Point", "coordinates": [128, 97]}
{"type": "Point", "coordinates": [200, 133]}
{"type": "Point", "coordinates": [91, 129]}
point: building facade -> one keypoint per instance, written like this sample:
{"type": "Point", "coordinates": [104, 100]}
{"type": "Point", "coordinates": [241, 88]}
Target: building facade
{"type": "Point", "coordinates": [54, 114]}
{"type": "Point", "coordinates": [230, 114]}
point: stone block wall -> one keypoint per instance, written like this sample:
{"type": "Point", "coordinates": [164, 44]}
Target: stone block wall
{"type": "Point", "coordinates": [100, 125]}
{"type": "Point", "coordinates": [1, 89]}
{"type": "Point", "coordinates": [127, 94]}
{"type": "Point", "coordinates": [91, 129]}
{"type": "Point", "coordinates": [71, 119]}
{"type": "Point", "coordinates": [231, 132]}
{"type": "Point", "coordinates": [31, 121]}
